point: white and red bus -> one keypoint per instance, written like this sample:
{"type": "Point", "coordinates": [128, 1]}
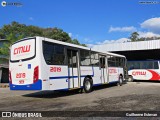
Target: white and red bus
{"type": "Point", "coordinates": [144, 70]}
{"type": "Point", "coordinates": [39, 63]}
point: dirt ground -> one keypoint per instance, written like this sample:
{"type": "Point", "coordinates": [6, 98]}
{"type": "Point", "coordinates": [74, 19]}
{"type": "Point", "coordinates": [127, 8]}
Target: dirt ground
{"type": "Point", "coordinates": [132, 96]}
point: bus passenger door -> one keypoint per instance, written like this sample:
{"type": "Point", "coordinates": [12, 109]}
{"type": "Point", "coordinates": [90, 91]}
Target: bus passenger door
{"type": "Point", "coordinates": [73, 81]}
{"type": "Point", "coordinates": [102, 60]}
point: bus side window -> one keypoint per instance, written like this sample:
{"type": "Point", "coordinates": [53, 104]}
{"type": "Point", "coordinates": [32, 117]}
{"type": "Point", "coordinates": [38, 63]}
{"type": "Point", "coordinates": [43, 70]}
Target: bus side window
{"type": "Point", "coordinates": [102, 62]}
{"type": "Point", "coordinates": [150, 65]}
{"type": "Point", "coordinates": [94, 59]}
{"type": "Point", "coordinates": [53, 53]}
{"type": "Point", "coordinates": [85, 58]}
{"type": "Point", "coordinates": [156, 65]}
{"type": "Point", "coordinates": [131, 67]}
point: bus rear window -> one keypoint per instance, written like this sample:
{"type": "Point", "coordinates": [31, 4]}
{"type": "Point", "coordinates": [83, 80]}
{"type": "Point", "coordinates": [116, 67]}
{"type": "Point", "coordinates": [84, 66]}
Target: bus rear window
{"type": "Point", "coordinates": [23, 50]}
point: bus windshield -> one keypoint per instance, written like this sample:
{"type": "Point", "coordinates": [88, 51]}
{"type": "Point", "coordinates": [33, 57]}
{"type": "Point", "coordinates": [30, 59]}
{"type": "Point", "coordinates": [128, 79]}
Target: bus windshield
{"type": "Point", "coordinates": [23, 50]}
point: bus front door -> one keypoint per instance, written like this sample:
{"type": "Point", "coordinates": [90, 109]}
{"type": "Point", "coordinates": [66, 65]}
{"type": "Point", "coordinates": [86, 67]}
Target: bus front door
{"type": "Point", "coordinates": [102, 60]}
{"type": "Point", "coordinates": [73, 81]}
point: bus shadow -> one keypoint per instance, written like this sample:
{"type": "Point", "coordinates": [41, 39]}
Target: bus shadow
{"type": "Point", "coordinates": [104, 86]}
{"type": "Point", "coordinates": [146, 81]}
{"type": "Point", "coordinates": [51, 94]}
{"type": "Point", "coordinates": [58, 94]}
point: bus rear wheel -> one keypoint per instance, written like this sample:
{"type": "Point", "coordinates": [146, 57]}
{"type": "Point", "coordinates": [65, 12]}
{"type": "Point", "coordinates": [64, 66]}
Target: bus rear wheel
{"type": "Point", "coordinates": [87, 85]}
{"type": "Point", "coordinates": [130, 79]}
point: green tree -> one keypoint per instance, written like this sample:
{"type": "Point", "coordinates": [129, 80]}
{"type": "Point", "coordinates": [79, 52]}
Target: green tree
{"type": "Point", "coordinates": [75, 41]}
{"type": "Point", "coordinates": [11, 38]}
{"type": "Point", "coordinates": [57, 34]}
{"type": "Point", "coordinates": [15, 31]}
{"type": "Point", "coordinates": [134, 37]}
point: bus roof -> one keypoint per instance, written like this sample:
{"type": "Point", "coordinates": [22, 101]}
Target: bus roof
{"type": "Point", "coordinates": [70, 44]}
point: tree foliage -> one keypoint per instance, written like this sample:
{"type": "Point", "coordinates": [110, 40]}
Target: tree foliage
{"type": "Point", "coordinates": [135, 37]}
{"type": "Point", "coordinates": [15, 31]}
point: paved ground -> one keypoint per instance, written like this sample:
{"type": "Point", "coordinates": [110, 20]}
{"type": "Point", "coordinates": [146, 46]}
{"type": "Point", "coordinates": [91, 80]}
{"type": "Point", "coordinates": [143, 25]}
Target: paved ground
{"type": "Point", "coordinates": [133, 96]}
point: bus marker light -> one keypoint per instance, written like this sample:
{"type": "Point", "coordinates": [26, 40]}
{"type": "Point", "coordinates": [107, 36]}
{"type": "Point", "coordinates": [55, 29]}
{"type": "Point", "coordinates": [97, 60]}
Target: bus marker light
{"type": "Point", "coordinates": [36, 74]}
{"type": "Point", "coordinates": [29, 66]}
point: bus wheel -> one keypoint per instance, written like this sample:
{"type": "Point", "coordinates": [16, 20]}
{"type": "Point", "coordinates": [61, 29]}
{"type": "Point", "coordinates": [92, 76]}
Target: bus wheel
{"type": "Point", "coordinates": [120, 80]}
{"type": "Point", "coordinates": [130, 79]}
{"type": "Point", "coordinates": [87, 85]}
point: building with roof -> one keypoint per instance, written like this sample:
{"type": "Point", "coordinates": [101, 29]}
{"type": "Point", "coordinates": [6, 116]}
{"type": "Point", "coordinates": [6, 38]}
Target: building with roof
{"type": "Point", "coordinates": [4, 65]}
{"type": "Point", "coordinates": [140, 50]}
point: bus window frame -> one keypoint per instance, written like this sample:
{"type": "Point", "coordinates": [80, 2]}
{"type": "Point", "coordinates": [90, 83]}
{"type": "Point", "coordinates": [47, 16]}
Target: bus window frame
{"type": "Point", "coordinates": [95, 65]}
{"type": "Point", "coordinates": [90, 64]}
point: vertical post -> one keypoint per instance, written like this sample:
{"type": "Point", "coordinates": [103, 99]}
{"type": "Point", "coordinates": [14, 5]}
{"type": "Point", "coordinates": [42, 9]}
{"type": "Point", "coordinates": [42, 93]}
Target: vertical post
{"type": "Point", "coordinates": [0, 74]}
{"type": "Point", "coordinates": [79, 74]}
{"type": "Point", "coordinates": [107, 71]}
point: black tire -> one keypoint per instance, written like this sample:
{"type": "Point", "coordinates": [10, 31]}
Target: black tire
{"type": "Point", "coordinates": [130, 79]}
{"type": "Point", "coordinates": [120, 80]}
{"type": "Point", "coordinates": [87, 85]}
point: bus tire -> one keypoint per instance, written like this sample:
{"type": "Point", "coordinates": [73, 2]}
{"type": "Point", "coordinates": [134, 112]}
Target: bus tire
{"type": "Point", "coordinates": [130, 79]}
{"type": "Point", "coordinates": [87, 85]}
{"type": "Point", "coordinates": [120, 80]}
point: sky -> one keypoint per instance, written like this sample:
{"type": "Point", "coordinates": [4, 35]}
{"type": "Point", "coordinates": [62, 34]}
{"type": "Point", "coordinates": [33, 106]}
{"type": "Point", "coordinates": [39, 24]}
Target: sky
{"type": "Point", "coordinates": [90, 21]}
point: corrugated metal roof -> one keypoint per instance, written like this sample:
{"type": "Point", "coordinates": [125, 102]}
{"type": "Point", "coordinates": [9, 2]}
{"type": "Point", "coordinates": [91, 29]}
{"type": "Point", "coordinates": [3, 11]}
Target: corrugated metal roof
{"type": "Point", "coordinates": [129, 46]}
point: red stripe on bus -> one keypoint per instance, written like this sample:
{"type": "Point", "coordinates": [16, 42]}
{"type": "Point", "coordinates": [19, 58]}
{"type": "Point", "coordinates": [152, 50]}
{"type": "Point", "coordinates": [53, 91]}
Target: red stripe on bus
{"type": "Point", "coordinates": [155, 75]}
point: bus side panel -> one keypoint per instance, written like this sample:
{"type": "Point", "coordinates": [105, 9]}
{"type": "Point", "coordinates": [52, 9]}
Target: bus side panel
{"type": "Point", "coordinates": [142, 74]}
{"type": "Point", "coordinates": [113, 74]}
{"type": "Point", "coordinates": [54, 77]}
{"type": "Point", "coordinates": [97, 76]}
{"type": "Point", "coordinates": [86, 70]}
{"type": "Point", "coordinates": [144, 70]}
{"type": "Point", "coordinates": [44, 70]}
{"type": "Point", "coordinates": [58, 77]}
